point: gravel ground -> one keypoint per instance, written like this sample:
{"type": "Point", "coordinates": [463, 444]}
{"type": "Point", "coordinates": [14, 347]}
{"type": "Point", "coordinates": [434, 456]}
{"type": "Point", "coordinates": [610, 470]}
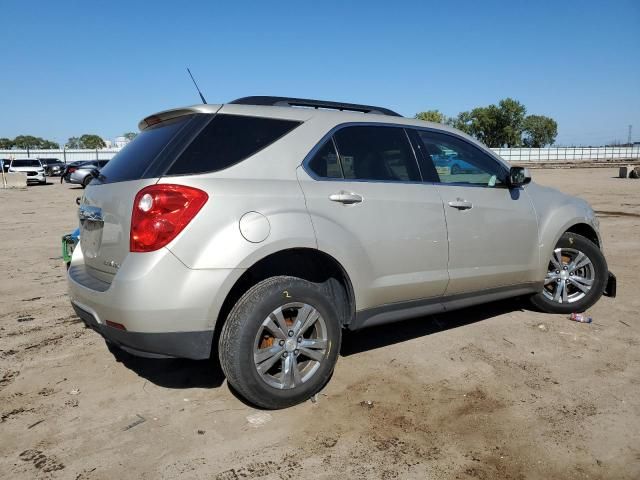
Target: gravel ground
{"type": "Point", "coordinates": [496, 391]}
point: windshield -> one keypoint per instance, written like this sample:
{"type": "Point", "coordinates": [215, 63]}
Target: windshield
{"type": "Point", "coordinates": [25, 163]}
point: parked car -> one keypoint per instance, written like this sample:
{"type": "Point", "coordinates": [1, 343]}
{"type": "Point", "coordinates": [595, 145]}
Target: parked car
{"type": "Point", "coordinates": [4, 163]}
{"type": "Point", "coordinates": [70, 168]}
{"type": "Point", "coordinates": [52, 166]}
{"type": "Point", "coordinates": [81, 174]}
{"type": "Point", "coordinates": [265, 230]}
{"type": "Point", "coordinates": [32, 167]}
{"type": "Point", "coordinates": [453, 165]}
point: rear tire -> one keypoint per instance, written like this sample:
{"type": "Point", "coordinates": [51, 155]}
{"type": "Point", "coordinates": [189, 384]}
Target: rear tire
{"type": "Point", "coordinates": [86, 181]}
{"type": "Point", "coordinates": [280, 342]}
{"type": "Point", "coordinates": [569, 289]}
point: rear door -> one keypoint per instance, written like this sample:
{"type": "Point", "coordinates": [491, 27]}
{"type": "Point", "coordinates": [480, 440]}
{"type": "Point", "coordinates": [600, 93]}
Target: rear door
{"type": "Point", "coordinates": [372, 213]}
{"type": "Point", "coordinates": [493, 230]}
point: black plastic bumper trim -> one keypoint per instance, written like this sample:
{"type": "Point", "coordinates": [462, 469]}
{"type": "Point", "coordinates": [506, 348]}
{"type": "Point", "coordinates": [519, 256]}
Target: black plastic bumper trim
{"type": "Point", "coordinates": [192, 345]}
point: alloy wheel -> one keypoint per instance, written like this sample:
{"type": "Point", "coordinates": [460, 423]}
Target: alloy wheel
{"type": "Point", "coordinates": [570, 276]}
{"type": "Point", "coordinates": [290, 345]}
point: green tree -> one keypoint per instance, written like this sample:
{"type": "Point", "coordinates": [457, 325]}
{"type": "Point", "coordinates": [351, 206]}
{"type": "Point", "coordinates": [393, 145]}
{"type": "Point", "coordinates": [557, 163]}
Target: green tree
{"type": "Point", "coordinates": [91, 141]}
{"type": "Point", "coordinates": [73, 142]}
{"type": "Point", "coordinates": [511, 115]}
{"type": "Point", "coordinates": [130, 135]}
{"type": "Point", "coordinates": [494, 125]}
{"type": "Point", "coordinates": [6, 143]}
{"type": "Point", "coordinates": [462, 122]}
{"type": "Point", "coordinates": [539, 131]}
{"type": "Point", "coordinates": [431, 116]}
{"type": "Point", "coordinates": [29, 141]}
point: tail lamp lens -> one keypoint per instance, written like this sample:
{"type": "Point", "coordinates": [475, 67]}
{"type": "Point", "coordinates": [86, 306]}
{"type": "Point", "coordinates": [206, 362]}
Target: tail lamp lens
{"type": "Point", "coordinates": [160, 213]}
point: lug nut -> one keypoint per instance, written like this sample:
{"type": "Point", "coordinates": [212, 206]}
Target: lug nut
{"type": "Point", "coordinates": [281, 342]}
{"type": "Point", "coordinates": [284, 355]}
{"type": "Point", "coordinates": [296, 351]}
{"type": "Point", "coordinates": [299, 339]}
{"type": "Point", "coordinates": [557, 272]}
{"type": "Point", "coordinates": [558, 280]}
{"type": "Point", "coordinates": [291, 333]}
{"type": "Point", "coordinates": [565, 268]}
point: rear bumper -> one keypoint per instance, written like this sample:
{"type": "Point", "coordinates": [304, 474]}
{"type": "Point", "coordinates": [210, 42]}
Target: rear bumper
{"type": "Point", "coordinates": [611, 287]}
{"type": "Point", "coordinates": [166, 308]}
{"type": "Point", "coordinates": [193, 345]}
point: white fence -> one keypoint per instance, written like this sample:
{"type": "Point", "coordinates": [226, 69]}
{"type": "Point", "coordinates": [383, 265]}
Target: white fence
{"type": "Point", "coordinates": [577, 154]}
{"type": "Point", "coordinates": [512, 155]}
{"type": "Point", "coordinates": [64, 155]}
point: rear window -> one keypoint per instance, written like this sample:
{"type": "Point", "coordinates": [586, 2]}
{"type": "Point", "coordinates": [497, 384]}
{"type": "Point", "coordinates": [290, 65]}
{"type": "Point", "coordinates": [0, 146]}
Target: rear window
{"type": "Point", "coordinates": [134, 159]}
{"type": "Point", "coordinates": [26, 163]}
{"type": "Point", "coordinates": [227, 140]}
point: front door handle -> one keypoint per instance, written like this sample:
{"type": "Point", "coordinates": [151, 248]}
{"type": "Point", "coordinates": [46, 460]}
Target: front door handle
{"type": "Point", "coordinates": [347, 198]}
{"type": "Point", "coordinates": [461, 204]}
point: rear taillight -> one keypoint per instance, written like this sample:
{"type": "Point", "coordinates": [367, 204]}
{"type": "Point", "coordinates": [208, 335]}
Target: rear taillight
{"type": "Point", "coordinates": [72, 169]}
{"type": "Point", "coordinates": [160, 213]}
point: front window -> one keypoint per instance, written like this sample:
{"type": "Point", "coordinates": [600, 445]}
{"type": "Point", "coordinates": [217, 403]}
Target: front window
{"type": "Point", "coordinates": [460, 162]}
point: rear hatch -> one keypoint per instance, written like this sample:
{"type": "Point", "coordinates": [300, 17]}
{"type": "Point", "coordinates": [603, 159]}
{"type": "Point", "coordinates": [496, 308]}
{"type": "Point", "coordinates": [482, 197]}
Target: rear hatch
{"type": "Point", "coordinates": [106, 207]}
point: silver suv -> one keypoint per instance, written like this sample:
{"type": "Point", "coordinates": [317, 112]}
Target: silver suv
{"type": "Point", "coordinates": [259, 229]}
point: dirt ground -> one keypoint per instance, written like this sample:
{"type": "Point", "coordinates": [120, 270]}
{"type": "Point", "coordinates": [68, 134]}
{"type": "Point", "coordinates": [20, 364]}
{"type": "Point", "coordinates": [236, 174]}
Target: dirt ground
{"type": "Point", "coordinates": [496, 391]}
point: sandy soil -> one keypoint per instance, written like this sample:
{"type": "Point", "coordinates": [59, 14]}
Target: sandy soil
{"type": "Point", "coordinates": [496, 391]}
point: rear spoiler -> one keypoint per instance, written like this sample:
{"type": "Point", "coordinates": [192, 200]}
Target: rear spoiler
{"type": "Point", "coordinates": [175, 113]}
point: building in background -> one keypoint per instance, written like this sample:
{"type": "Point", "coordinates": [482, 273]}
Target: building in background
{"type": "Point", "coordinates": [119, 142]}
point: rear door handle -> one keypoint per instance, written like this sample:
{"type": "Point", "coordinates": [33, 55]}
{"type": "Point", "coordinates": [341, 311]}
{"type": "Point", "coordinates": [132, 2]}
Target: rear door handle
{"type": "Point", "coordinates": [346, 198]}
{"type": "Point", "coordinates": [461, 204]}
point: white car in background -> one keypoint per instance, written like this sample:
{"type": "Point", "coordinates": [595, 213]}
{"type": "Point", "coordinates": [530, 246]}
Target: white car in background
{"type": "Point", "coordinates": [32, 167]}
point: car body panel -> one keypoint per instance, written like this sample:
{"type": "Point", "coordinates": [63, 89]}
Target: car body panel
{"type": "Point", "coordinates": [493, 243]}
{"type": "Point", "coordinates": [393, 244]}
{"type": "Point", "coordinates": [557, 212]}
{"type": "Point", "coordinates": [141, 298]}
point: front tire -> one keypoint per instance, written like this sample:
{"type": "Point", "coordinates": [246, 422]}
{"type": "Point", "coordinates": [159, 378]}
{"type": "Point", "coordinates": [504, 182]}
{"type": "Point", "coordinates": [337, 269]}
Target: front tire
{"type": "Point", "coordinates": [576, 276]}
{"type": "Point", "coordinates": [280, 342]}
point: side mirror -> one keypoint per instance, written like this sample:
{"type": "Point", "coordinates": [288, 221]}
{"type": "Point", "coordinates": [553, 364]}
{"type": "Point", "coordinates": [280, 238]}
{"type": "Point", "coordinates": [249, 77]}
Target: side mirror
{"type": "Point", "coordinates": [518, 176]}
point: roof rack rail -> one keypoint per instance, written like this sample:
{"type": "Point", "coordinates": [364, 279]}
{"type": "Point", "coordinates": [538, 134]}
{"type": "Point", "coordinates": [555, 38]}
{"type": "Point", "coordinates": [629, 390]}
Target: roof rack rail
{"type": "Point", "coordinates": [306, 102]}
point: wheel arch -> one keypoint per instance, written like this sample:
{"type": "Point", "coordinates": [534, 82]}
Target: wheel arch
{"type": "Point", "coordinates": [586, 231]}
{"type": "Point", "coordinates": [307, 263]}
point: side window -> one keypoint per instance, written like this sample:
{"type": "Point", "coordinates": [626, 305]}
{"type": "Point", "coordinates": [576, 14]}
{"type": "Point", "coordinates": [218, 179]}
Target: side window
{"type": "Point", "coordinates": [325, 162]}
{"type": "Point", "coordinates": [457, 161]}
{"type": "Point", "coordinates": [376, 153]}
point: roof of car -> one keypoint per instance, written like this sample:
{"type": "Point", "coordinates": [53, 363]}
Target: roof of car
{"type": "Point", "coordinates": [303, 110]}
{"type": "Point", "coordinates": [291, 108]}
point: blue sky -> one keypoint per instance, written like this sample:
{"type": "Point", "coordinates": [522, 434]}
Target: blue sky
{"type": "Point", "coordinates": [98, 67]}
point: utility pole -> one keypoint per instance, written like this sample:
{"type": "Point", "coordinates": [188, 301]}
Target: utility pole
{"type": "Point", "coordinates": [629, 136]}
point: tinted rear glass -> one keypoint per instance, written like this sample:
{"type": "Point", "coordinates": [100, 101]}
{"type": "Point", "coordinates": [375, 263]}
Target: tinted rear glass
{"type": "Point", "coordinates": [26, 163]}
{"type": "Point", "coordinates": [132, 161]}
{"type": "Point", "coordinates": [227, 140]}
